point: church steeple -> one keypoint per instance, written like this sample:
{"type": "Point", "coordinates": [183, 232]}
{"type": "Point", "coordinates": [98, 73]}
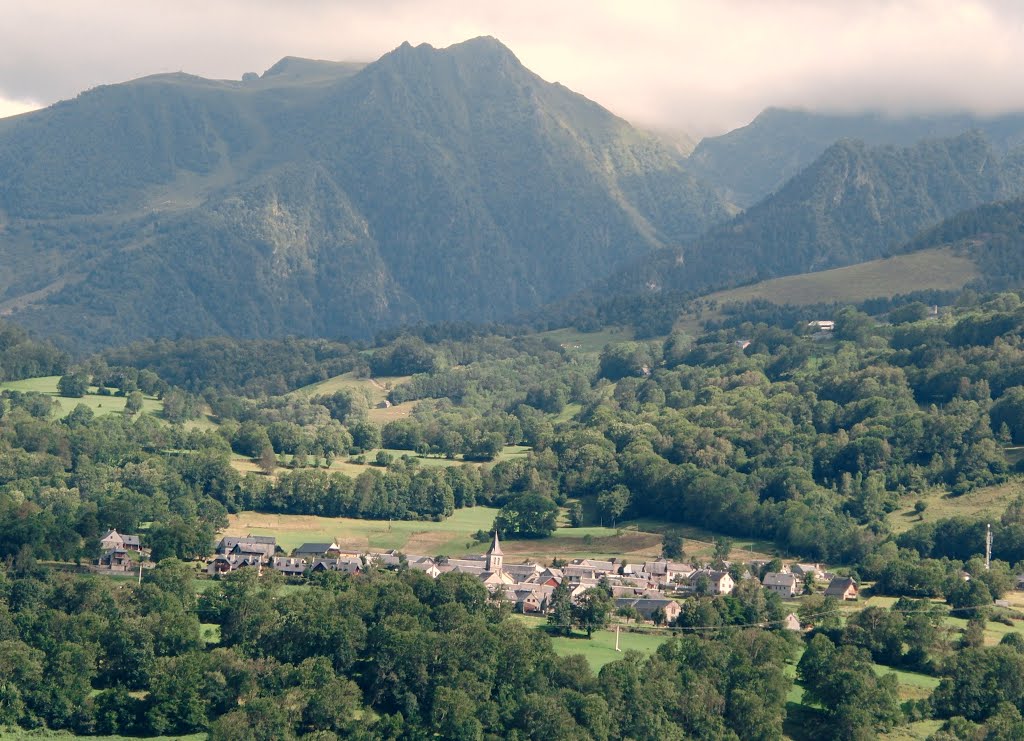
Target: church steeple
{"type": "Point", "coordinates": [494, 555]}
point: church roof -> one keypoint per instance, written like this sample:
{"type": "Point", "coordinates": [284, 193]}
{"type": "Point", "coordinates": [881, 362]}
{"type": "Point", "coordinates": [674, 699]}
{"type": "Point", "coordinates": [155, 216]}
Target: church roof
{"type": "Point", "coordinates": [495, 549]}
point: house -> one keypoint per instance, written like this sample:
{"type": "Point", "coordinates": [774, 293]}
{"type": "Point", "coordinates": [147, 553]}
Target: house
{"type": "Point", "coordinates": [227, 562]}
{"type": "Point", "coordinates": [289, 566]}
{"type": "Point", "coordinates": [719, 582]}
{"type": "Point", "coordinates": [532, 599]}
{"type": "Point", "coordinates": [317, 550]}
{"type": "Point", "coordinates": [648, 606]}
{"type": "Point", "coordinates": [345, 565]}
{"type": "Point", "coordinates": [800, 570]}
{"type": "Point", "coordinates": [115, 560]}
{"type": "Point", "coordinates": [251, 545]}
{"type": "Point", "coordinates": [784, 585]}
{"type": "Point", "coordinates": [113, 540]}
{"type": "Point", "coordinates": [426, 565]}
{"type": "Point", "coordinates": [822, 325]}
{"type": "Point", "coordinates": [791, 622]}
{"type": "Point", "coordinates": [842, 587]}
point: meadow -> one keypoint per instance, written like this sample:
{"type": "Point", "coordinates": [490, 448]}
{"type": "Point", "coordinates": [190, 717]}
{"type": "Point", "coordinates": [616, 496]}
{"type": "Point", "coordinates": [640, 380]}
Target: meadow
{"type": "Point", "coordinates": [936, 269]}
{"type": "Point", "coordinates": [100, 405]}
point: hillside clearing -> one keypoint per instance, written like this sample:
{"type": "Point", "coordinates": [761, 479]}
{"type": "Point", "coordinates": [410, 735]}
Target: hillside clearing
{"type": "Point", "coordinates": [100, 405]}
{"type": "Point", "coordinates": [936, 269]}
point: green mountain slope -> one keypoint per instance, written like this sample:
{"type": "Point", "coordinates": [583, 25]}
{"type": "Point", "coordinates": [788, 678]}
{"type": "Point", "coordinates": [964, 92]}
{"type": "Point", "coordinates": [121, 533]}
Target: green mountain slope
{"type": "Point", "coordinates": [327, 198]}
{"type": "Point", "coordinates": [752, 161]}
{"type": "Point", "coordinates": [853, 204]}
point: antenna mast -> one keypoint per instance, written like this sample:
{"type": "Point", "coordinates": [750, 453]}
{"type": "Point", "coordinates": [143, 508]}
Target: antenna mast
{"type": "Point", "coordinates": [988, 547]}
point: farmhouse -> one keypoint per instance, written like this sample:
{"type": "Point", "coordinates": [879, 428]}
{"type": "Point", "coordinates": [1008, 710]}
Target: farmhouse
{"type": "Point", "coordinates": [115, 560]}
{"type": "Point", "coordinates": [289, 566]}
{"type": "Point", "coordinates": [262, 546]}
{"type": "Point", "coordinates": [719, 582]}
{"type": "Point", "coordinates": [782, 584]}
{"type": "Point", "coordinates": [228, 562]}
{"type": "Point", "coordinates": [647, 607]}
{"type": "Point", "coordinates": [842, 587]}
{"type": "Point", "coordinates": [791, 622]}
{"type": "Point", "coordinates": [114, 540]}
{"type": "Point", "coordinates": [318, 550]}
{"type": "Point", "coordinates": [345, 565]}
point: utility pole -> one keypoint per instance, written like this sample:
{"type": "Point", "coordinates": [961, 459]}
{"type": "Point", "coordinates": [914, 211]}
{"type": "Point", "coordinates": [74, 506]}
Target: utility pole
{"type": "Point", "coordinates": [988, 547]}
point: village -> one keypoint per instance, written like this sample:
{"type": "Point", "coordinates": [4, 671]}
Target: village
{"type": "Point", "coordinates": [651, 589]}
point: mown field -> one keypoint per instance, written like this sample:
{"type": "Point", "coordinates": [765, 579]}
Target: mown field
{"type": "Point", "coordinates": [453, 536]}
{"type": "Point", "coordinates": [938, 269]}
{"type": "Point", "coordinates": [99, 404]}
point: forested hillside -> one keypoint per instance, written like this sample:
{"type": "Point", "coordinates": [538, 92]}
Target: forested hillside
{"type": "Point", "coordinates": [853, 204]}
{"type": "Point", "coordinates": [832, 446]}
{"type": "Point", "coordinates": [753, 161]}
{"type": "Point", "coordinates": [327, 199]}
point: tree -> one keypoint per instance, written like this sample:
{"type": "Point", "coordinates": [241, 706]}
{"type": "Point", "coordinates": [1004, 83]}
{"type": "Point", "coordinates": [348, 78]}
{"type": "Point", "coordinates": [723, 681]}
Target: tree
{"type": "Point", "coordinates": [808, 583]}
{"type": "Point", "coordinates": [614, 502]}
{"type": "Point", "coordinates": [576, 514]}
{"type": "Point", "coordinates": [268, 461]}
{"type": "Point", "coordinates": [672, 545]}
{"type": "Point", "coordinates": [561, 616]}
{"type": "Point", "coordinates": [851, 697]}
{"type": "Point", "coordinates": [75, 385]}
{"type": "Point", "coordinates": [722, 548]}
{"type": "Point", "coordinates": [593, 610]}
{"type": "Point", "coordinates": [528, 516]}
{"type": "Point", "coordinates": [133, 403]}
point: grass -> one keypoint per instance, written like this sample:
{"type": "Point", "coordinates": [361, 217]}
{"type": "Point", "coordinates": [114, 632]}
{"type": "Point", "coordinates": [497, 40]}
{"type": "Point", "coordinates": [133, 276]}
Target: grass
{"type": "Point", "coordinates": [100, 405]}
{"type": "Point", "coordinates": [588, 342]}
{"type": "Point", "coordinates": [422, 538]}
{"type": "Point", "coordinates": [937, 269]}
{"type": "Point", "coordinates": [453, 536]}
{"type": "Point", "coordinates": [600, 649]}
{"type": "Point", "coordinates": [373, 390]}
{"type": "Point", "coordinates": [347, 466]}
{"type": "Point", "coordinates": [988, 501]}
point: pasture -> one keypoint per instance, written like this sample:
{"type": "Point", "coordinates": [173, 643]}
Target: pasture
{"type": "Point", "coordinates": [373, 390]}
{"type": "Point", "coordinates": [452, 537]}
{"type": "Point", "coordinates": [349, 467]}
{"type": "Point", "coordinates": [988, 501]}
{"type": "Point", "coordinates": [100, 405]}
{"type": "Point", "coordinates": [600, 649]}
{"type": "Point", "coordinates": [937, 269]}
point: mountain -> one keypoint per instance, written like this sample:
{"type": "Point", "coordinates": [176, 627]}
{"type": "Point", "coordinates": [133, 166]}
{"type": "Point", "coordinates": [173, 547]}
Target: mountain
{"type": "Point", "coordinates": [750, 162]}
{"type": "Point", "coordinates": [991, 235]}
{"type": "Point", "coordinates": [327, 199]}
{"type": "Point", "coordinates": [854, 203]}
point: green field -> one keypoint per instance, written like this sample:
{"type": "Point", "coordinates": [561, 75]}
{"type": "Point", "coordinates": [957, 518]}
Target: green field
{"type": "Point", "coordinates": [988, 501]}
{"type": "Point", "coordinates": [99, 404]}
{"type": "Point", "coordinates": [423, 538]}
{"type": "Point", "coordinates": [244, 464]}
{"type": "Point", "coordinates": [452, 537]}
{"type": "Point", "coordinates": [600, 649]}
{"type": "Point", "coordinates": [937, 269]}
{"type": "Point", "coordinates": [588, 342]}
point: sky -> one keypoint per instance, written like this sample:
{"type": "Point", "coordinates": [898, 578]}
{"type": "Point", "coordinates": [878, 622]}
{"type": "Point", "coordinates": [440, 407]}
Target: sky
{"type": "Point", "coordinates": [700, 67]}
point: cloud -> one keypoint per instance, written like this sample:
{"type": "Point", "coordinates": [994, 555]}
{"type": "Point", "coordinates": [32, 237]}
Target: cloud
{"type": "Point", "coordinates": [690, 64]}
{"type": "Point", "coordinates": [14, 107]}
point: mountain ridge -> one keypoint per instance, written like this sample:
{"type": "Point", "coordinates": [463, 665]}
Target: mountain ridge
{"type": "Point", "coordinates": [428, 185]}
